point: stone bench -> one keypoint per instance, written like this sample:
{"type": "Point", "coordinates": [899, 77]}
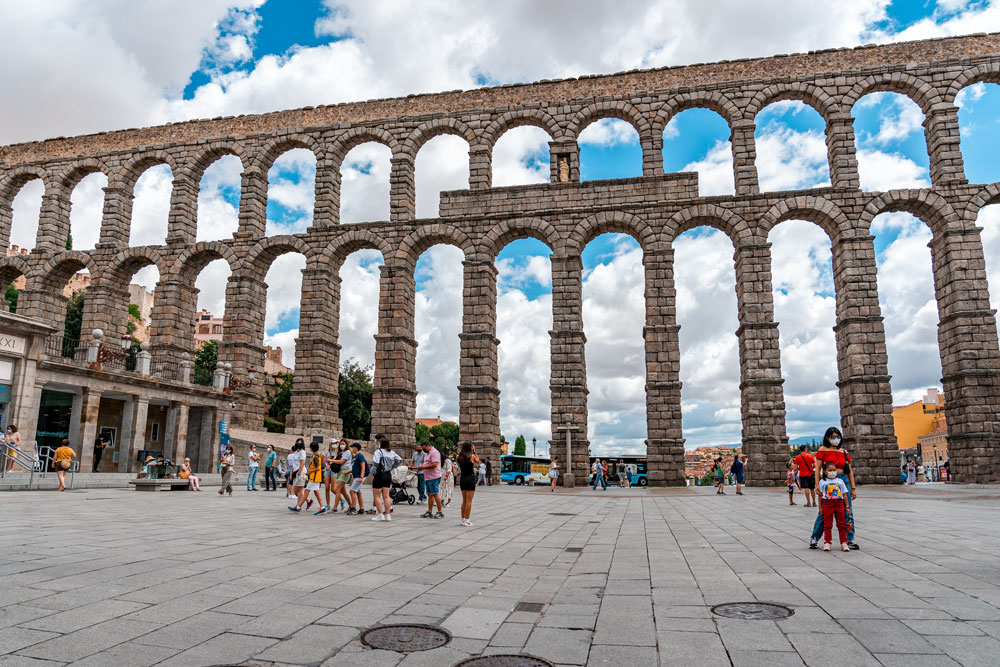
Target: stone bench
{"type": "Point", "coordinates": [158, 484]}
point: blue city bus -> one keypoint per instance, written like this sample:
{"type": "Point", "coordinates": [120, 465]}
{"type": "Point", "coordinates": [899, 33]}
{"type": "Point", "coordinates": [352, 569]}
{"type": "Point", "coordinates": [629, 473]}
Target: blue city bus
{"type": "Point", "coordinates": [616, 466]}
{"type": "Point", "coordinates": [522, 469]}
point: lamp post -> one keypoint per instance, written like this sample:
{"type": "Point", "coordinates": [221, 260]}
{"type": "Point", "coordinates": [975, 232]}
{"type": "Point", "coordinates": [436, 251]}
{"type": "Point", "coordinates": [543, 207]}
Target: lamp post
{"type": "Point", "coordinates": [937, 471]}
{"type": "Point", "coordinates": [533, 441]}
{"type": "Point", "coordinates": [126, 341]}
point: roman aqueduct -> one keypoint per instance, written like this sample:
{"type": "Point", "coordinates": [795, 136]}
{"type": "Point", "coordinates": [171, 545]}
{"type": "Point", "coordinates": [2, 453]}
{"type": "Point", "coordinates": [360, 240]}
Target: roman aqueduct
{"type": "Point", "coordinates": [565, 214]}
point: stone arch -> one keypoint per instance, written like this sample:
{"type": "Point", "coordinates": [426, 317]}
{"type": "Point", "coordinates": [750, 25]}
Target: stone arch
{"type": "Point", "coordinates": [807, 93]}
{"type": "Point", "coordinates": [195, 169]}
{"type": "Point", "coordinates": [11, 268]}
{"type": "Point", "coordinates": [197, 257]}
{"type": "Point", "coordinates": [355, 239]}
{"type": "Point", "coordinates": [77, 171]}
{"type": "Point", "coordinates": [613, 222]}
{"type": "Point", "coordinates": [54, 274]}
{"type": "Point", "coordinates": [10, 186]}
{"type": "Point", "coordinates": [822, 212]}
{"type": "Point", "coordinates": [129, 175]}
{"type": "Point", "coordinates": [260, 257]}
{"type": "Point", "coordinates": [933, 209]}
{"type": "Point", "coordinates": [273, 149]}
{"type": "Point", "coordinates": [923, 93]}
{"type": "Point", "coordinates": [984, 73]}
{"type": "Point", "coordinates": [425, 236]}
{"type": "Point", "coordinates": [711, 100]}
{"type": "Point", "coordinates": [520, 118]}
{"type": "Point", "coordinates": [512, 230]}
{"type": "Point", "coordinates": [435, 128]}
{"type": "Point", "coordinates": [988, 195]}
{"type": "Point", "coordinates": [708, 215]}
{"type": "Point", "coordinates": [127, 262]}
{"type": "Point", "coordinates": [344, 143]}
{"type": "Point", "coordinates": [600, 110]}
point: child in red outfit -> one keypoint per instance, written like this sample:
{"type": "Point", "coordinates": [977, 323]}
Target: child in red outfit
{"type": "Point", "coordinates": [833, 493]}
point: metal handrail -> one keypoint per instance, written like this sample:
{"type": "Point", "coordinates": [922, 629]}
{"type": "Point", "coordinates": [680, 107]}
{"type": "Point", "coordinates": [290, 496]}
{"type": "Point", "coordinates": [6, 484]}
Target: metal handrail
{"type": "Point", "coordinates": [39, 461]}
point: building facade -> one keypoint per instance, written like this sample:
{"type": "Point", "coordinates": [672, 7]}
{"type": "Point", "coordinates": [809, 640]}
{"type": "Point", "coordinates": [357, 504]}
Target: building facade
{"type": "Point", "coordinates": [565, 214]}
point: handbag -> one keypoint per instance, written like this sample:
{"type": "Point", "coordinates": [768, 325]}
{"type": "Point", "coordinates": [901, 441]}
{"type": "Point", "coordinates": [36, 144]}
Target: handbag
{"type": "Point", "coordinates": [183, 475]}
{"type": "Point", "coordinates": [61, 465]}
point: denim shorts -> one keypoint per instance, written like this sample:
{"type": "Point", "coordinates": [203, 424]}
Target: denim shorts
{"type": "Point", "coordinates": [431, 486]}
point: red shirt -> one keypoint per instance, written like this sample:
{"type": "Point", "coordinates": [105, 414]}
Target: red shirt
{"type": "Point", "coordinates": [835, 456]}
{"type": "Point", "coordinates": [806, 464]}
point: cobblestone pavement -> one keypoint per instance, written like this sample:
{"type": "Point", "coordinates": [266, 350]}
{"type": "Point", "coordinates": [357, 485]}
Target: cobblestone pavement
{"type": "Point", "coordinates": [115, 577]}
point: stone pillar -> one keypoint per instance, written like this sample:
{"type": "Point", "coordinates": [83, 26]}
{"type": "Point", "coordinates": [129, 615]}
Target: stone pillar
{"type": "Point", "coordinates": [89, 412]}
{"type": "Point", "coordinates": [762, 400]}
{"type": "Point", "coordinates": [181, 432]}
{"type": "Point", "coordinates": [253, 204]}
{"type": "Point", "coordinates": [326, 209]}
{"type": "Point", "coordinates": [402, 192]}
{"type": "Point", "coordinates": [133, 436]}
{"type": "Point", "coordinates": [243, 346]}
{"type": "Point", "coordinates": [665, 443]}
{"type": "Point", "coordinates": [106, 308]}
{"type": "Point", "coordinates": [394, 404]}
{"type": "Point", "coordinates": [842, 152]}
{"type": "Point", "coordinates": [970, 356]}
{"type": "Point", "coordinates": [564, 161]}
{"type": "Point", "coordinates": [744, 157]}
{"type": "Point", "coordinates": [479, 395]}
{"type": "Point", "coordinates": [315, 394]}
{"type": "Point", "coordinates": [943, 145]}
{"type": "Point", "coordinates": [170, 430]}
{"type": "Point", "coordinates": [568, 366]}
{"type": "Point", "coordinates": [652, 153]}
{"type": "Point", "coordinates": [862, 361]}
{"type": "Point", "coordinates": [117, 216]}
{"type": "Point", "coordinates": [182, 221]}
{"type": "Point", "coordinates": [480, 167]}
{"type": "Point", "coordinates": [48, 305]}
{"type": "Point", "coordinates": [53, 219]}
{"type": "Point", "coordinates": [172, 321]}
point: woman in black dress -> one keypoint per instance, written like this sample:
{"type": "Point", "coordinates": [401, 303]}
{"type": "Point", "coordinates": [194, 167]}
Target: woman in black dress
{"type": "Point", "coordinates": [468, 464]}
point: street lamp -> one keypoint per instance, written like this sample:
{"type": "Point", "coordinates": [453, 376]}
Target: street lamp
{"type": "Point", "coordinates": [126, 341]}
{"type": "Point", "coordinates": [533, 441]}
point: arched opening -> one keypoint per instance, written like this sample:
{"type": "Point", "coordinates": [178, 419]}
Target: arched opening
{"type": "Point", "coordinates": [909, 307]}
{"type": "Point", "coordinates": [364, 183]}
{"type": "Point", "coordinates": [141, 295]}
{"type": "Point", "coordinates": [291, 192]}
{"type": "Point", "coordinates": [889, 137]}
{"type": "Point", "coordinates": [805, 308]}
{"type": "Point", "coordinates": [438, 279]}
{"type": "Point", "coordinates": [705, 280]}
{"type": "Point", "coordinates": [442, 164]}
{"type": "Point", "coordinates": [12, 281]}
{"type": "Point", "coordinates": [980, 133]}
{"type": "Point", "coordinates": [521, 157]}
{"type": "Point", "coordinates": [698, 140]}
{"type": "Point", "coordinates": [86, 212]}
{"type": "Point", "coordinates": [791, 147]}
{"type": "Point", "coordinates": [989, 221]}
{"type": "Point", "coordinates": [151, 207]}
{"type": "Point", "coordinates": [208, 318]}
{"type": "Point", "coordinates": [219, 199]}
{"type": "Point", "coordinates": [613, 317]}
{"type": "Point", "coordinates": [609, 148]}
{"type": "Point", "coordinates": [359, 293]}
{"type": "Point", "coordinates": [281, 315]}
{"type": "Point", "coordinates": [524, 319]}
{"type": "Point", "coordinates": [26, 207]}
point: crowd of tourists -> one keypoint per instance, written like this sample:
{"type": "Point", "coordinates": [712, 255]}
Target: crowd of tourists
{"type": "Point", "coordinates": [333, 480]}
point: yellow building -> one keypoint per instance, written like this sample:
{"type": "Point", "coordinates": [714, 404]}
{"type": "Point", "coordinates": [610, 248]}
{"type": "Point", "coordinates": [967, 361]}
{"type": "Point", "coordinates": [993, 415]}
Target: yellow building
{"type": "Point", "coordinates": [917, 419]}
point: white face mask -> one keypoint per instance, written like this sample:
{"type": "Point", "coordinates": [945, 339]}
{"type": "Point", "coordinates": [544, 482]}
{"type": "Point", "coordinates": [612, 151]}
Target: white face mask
{"type": "Point", "coordinates": [831, 474]}
{"type": "Point", "coordinates": [835, 441]}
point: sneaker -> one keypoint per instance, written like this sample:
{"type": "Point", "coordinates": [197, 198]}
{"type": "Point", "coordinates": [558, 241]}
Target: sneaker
{"type": "Point", "coordinates": [378, 517]}
{"type": "Point", "coordinates": [426, 515]}
{"type": "Point", "coordinates": [844, 547]}
{"type": "Point", "coordinates": [388, 517]}
{"type": "Point", "coordinates": [447, 504]}
{"type": "Point", "coordinates": [853, 546]}
{"type": "Point", "coordinates": [463, 523]}
{"type": "Point", "coordinates": [351, 512]}
{"type": "Point", "coordinates": [826, 547]}
{"type": "Point", "coordinates": [814, 544]}
{"type": "Point", "coordinates": [309, 503]}
{"type": "Point", "coordinates": [362, 513]}
{"type": "Point", "coordinates": [322, 510]}
{"type": "Point", "coordinates": [334, 510]}
{"type": "Point", "coordinates": [290, 496]}
{"type": "Point", "coordinates": [468, 523]}
{"type": "Point", "coordinates": [439, 515]}
{"type": "Point", "coordinates": [294, 509]}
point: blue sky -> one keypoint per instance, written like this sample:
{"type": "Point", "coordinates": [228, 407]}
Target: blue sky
{"type": "Point", "coordinates": [252, 57]}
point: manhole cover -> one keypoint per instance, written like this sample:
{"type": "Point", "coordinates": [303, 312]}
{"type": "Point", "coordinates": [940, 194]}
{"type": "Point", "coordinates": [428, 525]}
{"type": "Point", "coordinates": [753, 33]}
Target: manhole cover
{"type": "Point", "coordinates": [505, 660]}
{"type": "Point", "coordinates": [405, 638]}
{"type": "Point", "coordinates": [561, 514]}
{"type": "Point", "coordinates": [752, 611]}
{"type": "Point", "coordinates": [534, 607]}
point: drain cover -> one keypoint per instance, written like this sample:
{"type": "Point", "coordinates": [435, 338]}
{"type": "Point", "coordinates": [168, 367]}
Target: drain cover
{"type": "Point", "coordinates": [535, 607]}
{"type": "Point", "coordinates": [505, 660]}
{"type": "Point", "coordinates": [752, 611]}
{"type": "Point", "coordinates": [405, 638]}
{"type": "Point", "coordinates": [561, 514]}
{"type": "Point", "coordinates": [574, 550]}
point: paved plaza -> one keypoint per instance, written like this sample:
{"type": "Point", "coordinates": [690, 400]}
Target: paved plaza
{"type": "Point", "coordinates": [624, 577]}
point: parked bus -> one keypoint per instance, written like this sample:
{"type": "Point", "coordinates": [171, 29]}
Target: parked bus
{"type": "Point", "coordinates": [523, 469]}
{"type": "Point", "coordinates": [617, 464]}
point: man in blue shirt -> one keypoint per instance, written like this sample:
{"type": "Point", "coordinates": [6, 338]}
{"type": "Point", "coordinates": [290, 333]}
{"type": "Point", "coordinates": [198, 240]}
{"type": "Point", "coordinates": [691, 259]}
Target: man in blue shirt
{"type": "Point", "coordinates": [270, 481]}
{"type": "Point", "coordinates": [359, 470]}
{"type": "Point", "coordinates": [737, 471]}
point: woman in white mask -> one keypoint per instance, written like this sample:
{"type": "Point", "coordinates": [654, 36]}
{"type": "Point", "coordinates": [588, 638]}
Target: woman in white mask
{"type": "Point", "coordinates": [832, 451]}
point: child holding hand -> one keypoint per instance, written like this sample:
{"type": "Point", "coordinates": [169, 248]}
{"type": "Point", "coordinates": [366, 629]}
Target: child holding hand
{"type": "Point", "coordinates": [833, 493]}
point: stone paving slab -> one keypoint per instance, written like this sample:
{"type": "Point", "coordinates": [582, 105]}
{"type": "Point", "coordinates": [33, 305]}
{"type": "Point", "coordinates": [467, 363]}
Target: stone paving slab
{"type": "Point", "coordinates": [623, 577]}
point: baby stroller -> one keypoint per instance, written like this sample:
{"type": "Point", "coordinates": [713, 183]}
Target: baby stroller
{"type": "Point", "coordinates": [402, 479]}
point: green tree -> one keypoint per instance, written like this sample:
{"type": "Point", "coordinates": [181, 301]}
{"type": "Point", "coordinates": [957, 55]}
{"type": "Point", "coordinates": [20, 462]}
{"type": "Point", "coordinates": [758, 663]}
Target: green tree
{"type": "Point", "coordinates": [204, 363]}
{"type": "Point", "coordinates": [74, 315]}
{"type": "Point", "coordinates": [520, 446]}
{"type": "Point", "coordinates": [422, 433]}
{"type": "Point", "coordinates": [11, 298]}
{"type": "Point", "coordinates": [356, 385]}
{"type": "Point", "coordinates": [279, 402]}
{"type": "Point", "coordinates": [444, 437]}
{"type": "Point", "coordinates": [69, 242]}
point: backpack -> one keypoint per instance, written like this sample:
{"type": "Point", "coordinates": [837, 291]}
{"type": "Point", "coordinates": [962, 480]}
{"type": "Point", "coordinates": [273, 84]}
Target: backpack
{"type": "Point", "coordinates": [386, 464]}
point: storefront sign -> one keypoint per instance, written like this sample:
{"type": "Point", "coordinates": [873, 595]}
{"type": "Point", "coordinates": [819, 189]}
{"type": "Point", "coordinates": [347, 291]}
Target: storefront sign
{"type": "Point", "coordinates": [223, 427]}
{"type": "Point", "coordinates": [12, 345]}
